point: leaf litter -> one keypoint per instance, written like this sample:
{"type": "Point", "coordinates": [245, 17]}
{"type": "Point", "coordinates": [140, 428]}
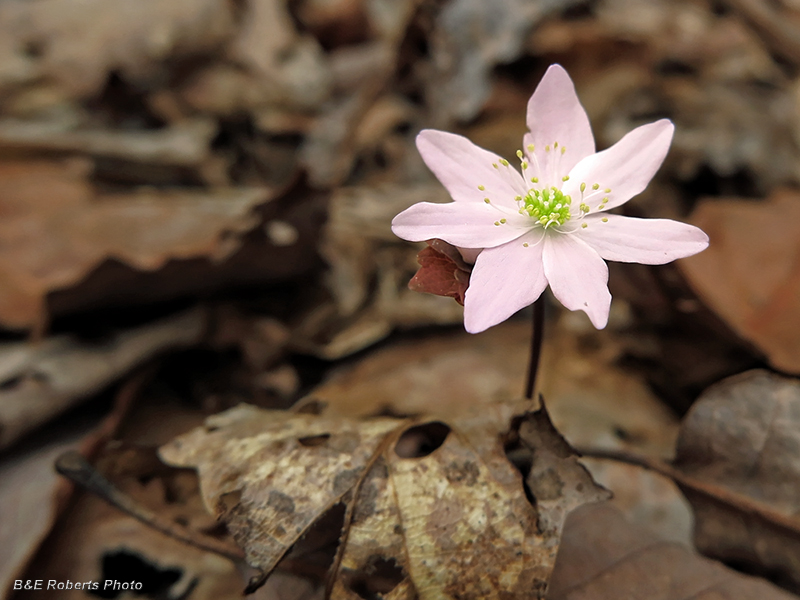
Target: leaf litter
{"type": "Point", "coordinates": [437, 506]}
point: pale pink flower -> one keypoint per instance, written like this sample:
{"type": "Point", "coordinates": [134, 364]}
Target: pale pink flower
{"type": "Point", "coordinates": [547, 223]}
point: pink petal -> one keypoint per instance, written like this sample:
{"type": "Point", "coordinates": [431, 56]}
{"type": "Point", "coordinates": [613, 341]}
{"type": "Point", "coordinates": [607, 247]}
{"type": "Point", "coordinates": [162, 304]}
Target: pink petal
{"type": "Point", "coordinates": [462, 166]}
{"type": "Point", "coordinates": [504, 280]}
{"type": "Point", "coordinates": [626, 168]}
{"type": "Point", "coordinates": [469, 225]}
{"type": "Point", "coordinates": [577, 276]}
{"type": "Point", "coordinates": [645, 241]}
{"type": "Point", "coordinates": [555, 115]}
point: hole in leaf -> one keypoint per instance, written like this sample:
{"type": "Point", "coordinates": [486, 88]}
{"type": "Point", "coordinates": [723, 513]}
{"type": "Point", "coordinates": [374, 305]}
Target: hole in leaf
{"type": "Point", "coordinates": [421, 440]}
{"type": "Point", "coordinates": [124, 566]}
{"type": "Point", "coordinates": [378, 576]}
{"type": "Point", "coordinates": [312, 441]}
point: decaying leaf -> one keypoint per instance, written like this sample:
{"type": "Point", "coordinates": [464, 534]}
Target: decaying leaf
{"type": "Point", "coordinates": [56, 229]}
{"type": "Point", "coordinates": [442, 272]}
{"type": "Point", "coordinates": [743, 435]}
{"type": "Point", "coordinates": [436, 509]}
{"type": "Point", "coordinates": [750, 273]}
{"type": "Point", "coordinates": [41, 381]}
{"type": "Point", "coordinates": [603, 557]}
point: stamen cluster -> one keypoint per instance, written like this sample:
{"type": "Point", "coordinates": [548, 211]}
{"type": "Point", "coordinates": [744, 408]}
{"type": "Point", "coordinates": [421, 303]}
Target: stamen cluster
{"type": "Point", "coordinates": [548, 206]}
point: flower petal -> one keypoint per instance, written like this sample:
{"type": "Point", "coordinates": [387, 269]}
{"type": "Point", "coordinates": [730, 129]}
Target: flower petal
{"type": "Point", "coordinates": [626, 168]}
{"type": "Point", "coordinates": [645, 241]}
{"type": "Point", "coordinates": [577, 276]}
{"type": "Point", "coordinates": [555, 115]}
{"type": "Point", "coordinates": [468, 225]}
{"type": "Point", "coordinates": [462, 166]}
{"type": "Point", "coordinates": [504, 280]}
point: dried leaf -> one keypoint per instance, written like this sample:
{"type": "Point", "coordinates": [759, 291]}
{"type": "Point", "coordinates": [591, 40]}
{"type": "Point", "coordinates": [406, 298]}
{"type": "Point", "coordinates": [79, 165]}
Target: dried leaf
{"type": "Point", "coordinates": [442, 272]}
{"type": "Point", "coordinates": [30, 490]}
{"type": "Point", "coordinates": [185, 144]}
{"type": "Point", "coordinates": [603, 557]}
{"type": "Point", "coordinates": [742, 436]}
{"type": "Point", "coordinates": [750, 273]}
{"type": "Point", "coordinates": [56, 230]}
{"type": "Point", "coordinates": [420, 514]}
{"type": "Point", "coordinates": [78, 46]}
{"type": "Point", "coordinates": [42, 380]}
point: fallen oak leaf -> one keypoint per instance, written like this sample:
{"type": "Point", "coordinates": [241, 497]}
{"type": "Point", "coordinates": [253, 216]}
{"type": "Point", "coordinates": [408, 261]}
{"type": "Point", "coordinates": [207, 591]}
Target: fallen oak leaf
{"type": "Point", "coordinates": [442, 272]}
{"type": "Point", "coordinates": [450, 520]}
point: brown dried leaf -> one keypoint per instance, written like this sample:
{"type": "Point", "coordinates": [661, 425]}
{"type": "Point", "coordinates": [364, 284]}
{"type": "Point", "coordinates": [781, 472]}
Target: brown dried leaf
{"type": "Point", "coordinates": [750, 273]}
{"type": "Point", "coordinates": [743, 436]}
{"type": "Point", "coordinates": [603, 557]}
{"type": "Point", "coordinates": [56, 229]}
{"type": "Point", "coordinates": [442, 272]}
{"type": "Point", "coordinates": [420, 517]}
{"type": "Point", "coordinates": [42, 380]}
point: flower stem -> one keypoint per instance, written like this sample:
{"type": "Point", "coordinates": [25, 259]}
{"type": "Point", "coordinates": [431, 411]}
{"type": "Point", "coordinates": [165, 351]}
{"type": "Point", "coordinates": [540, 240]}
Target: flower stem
{"type": "Point", "coordinates": [536, 346]}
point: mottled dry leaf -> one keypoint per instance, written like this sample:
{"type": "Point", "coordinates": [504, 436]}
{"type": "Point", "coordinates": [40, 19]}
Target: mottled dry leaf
{"type": "Point", "coordinates": [448, 522]}
{"type": "Point", "coordinates": [42, 380]}
{"type": "Point", "coordinates": [750, 273]}
{"type": "Point", "coordinates": [442, 272]}
{"type": "Point", "coordinates": [743, 435]}
{"type": "Point", "coordinates": [603, 557]}
{"type": "Point", "coordinates": [56, 229]}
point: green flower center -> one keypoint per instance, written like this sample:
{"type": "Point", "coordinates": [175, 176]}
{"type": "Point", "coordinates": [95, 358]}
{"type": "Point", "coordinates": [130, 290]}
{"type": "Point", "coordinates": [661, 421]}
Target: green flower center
{"type": "Point", "coordinates": [548, 206]}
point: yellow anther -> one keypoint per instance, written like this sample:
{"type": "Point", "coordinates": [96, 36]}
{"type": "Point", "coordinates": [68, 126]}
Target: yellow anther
{"type": "Point", "coordinates": [504, 162]}
{"type": "Point", "coordinates": [497, 223]}
{"type": "Point", "coordinates": [495, 165]}
{"type": "Point", "coordinates": [584, 225]}
{"type": "Point", "coordinates": [565, 178]}
{"type": "Point", "coordinates": [503, 220]}
{"type": "Point", "coordinates": [524, 165]}
{"type": "Point", "coordinates": [604, 219]}
{"type": "Point", "coordinates": [563, 149]}
{"type": "Point", "coordinates": [555, 145]}
{"type": "Point", "coordinates": [583, 187]}
{"type": "Point", "coordinates": [595, 186]}
{"type": "Point", "coordinates": [547, 148]}
{"type": "Point", "coordinates": [531, 147]}
{"type": "Point", "coordinates": [481, 187]}
{"type": "Point", "coordinates": [604, 200]}
{"type": "Point", "coordinates": [487, 201]}
{"type": "Point", "coordinates": [525, 244]}
{"type": "Point", "coordinates": [519, 154]}
{"type": "Point", "coordinates": [517, 198]}
{"type": "Point", "coordinates": [534, 180]}
{"type": "Point", "coordinates": [601, 207]}
{"type": "Point", "coordinates": [607, 190]}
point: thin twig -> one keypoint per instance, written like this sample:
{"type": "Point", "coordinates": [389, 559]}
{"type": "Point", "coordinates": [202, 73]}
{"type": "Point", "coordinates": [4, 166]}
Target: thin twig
{"type": "Point", "coordinates": [75, 467]}
{"type": "Point", "coordinates": [537, 336]}
{"type": "Point", "coordinates": [714, 492]}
